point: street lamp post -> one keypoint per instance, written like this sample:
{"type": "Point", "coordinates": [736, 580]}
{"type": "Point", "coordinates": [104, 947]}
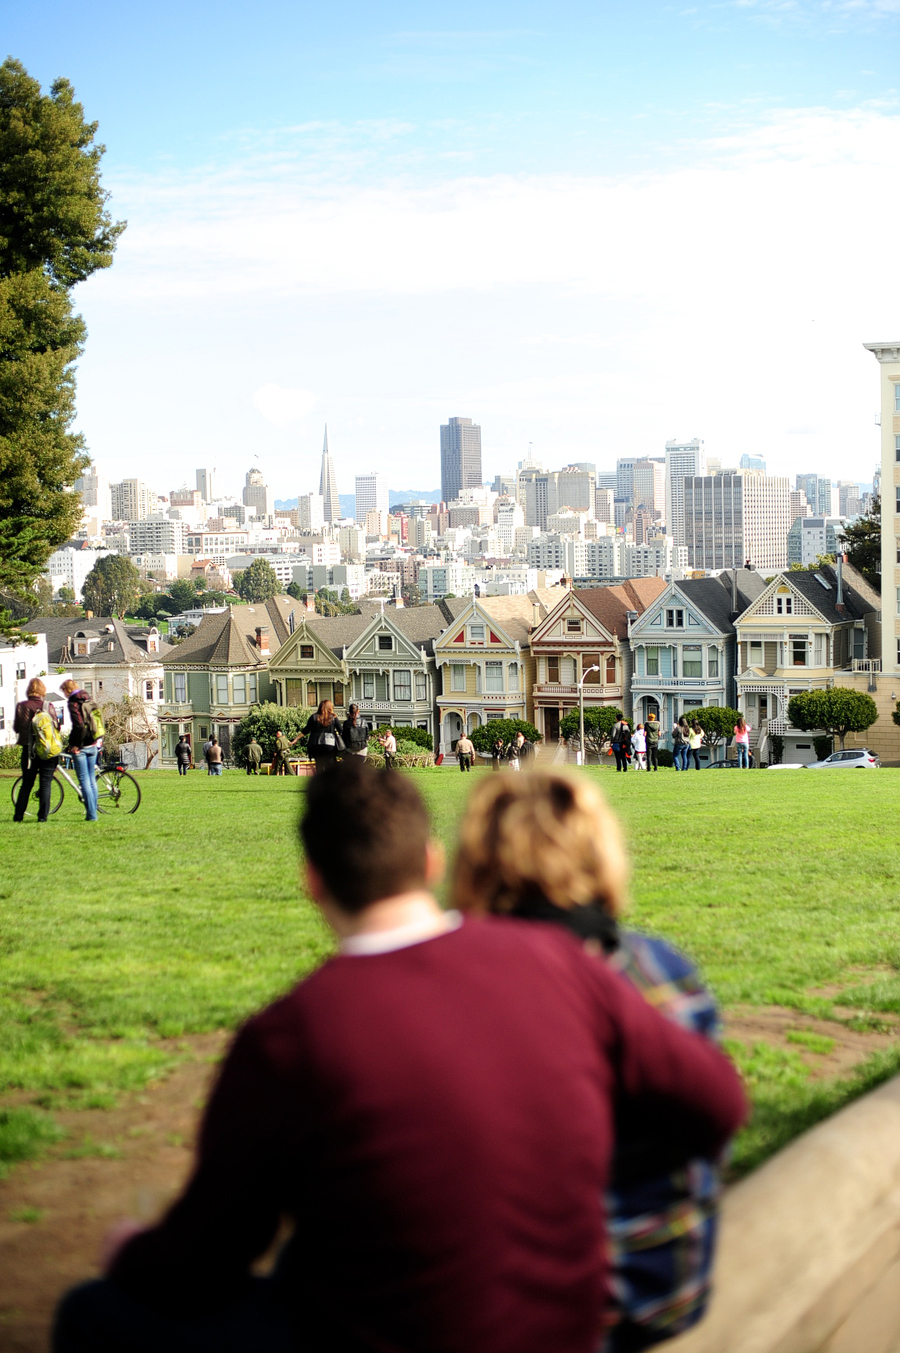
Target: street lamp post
{"type": "Point", "coordinates": [584, 677]}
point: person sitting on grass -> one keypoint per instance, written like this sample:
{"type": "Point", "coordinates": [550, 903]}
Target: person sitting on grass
{"type": "Point", "coordinates": [432, 1111]}
{"type": "Point", "coordinates": [548, 849]}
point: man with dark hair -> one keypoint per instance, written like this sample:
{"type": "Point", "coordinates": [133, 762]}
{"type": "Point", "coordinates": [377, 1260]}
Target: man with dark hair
{"type": "Point", "coordinates": [432, 1109]}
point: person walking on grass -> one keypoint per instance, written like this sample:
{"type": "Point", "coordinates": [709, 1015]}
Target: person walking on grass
{"type": "Point", "coordinates": [621, 743]}
{"type": "Point", "coordinates": [214, 757]}
{"type": "Point", "coordinates": [465, 751]}
{"type": "Point", "coordinates": [183, 755]}
{"type": "Point", "coordinates": [283, 745]}
{"type": "Point", "coordinates": [85, 743]}
{"type": "Point", "coordinates": [389, 747]}
{"type": "Point", "coordinates": [323, 736]}
{"type": "Point", "coordinates": [680, 736]}
{"type": "Point", "coordinates": [254, 756]}
{"type": "Point", "coordinates": [695, 742]}
{"type": "Point", "coordinates": [639, 747]}
{"type": "Point", "coordinates": [517, 752]}
{"type": "Point", "coordinates": [432, 1113]}
{"type": "Point", "coordinates": [497, 751]}
{"type": "Point", "coordinates": [355, 733]}
{"type": "Point", "coordinates": [651, 728]}
{"type": "Point", "coordinates": [549, 850]}
{"type": "Point", "coordinates": [38, 760]}
{"type": "Point", "coordinates": [742, 731]}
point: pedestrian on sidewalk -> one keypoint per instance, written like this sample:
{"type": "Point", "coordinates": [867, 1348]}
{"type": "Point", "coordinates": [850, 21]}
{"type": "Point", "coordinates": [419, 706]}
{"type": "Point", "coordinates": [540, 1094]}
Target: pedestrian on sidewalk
{"type": "Point", "coordinates": [183, 755]}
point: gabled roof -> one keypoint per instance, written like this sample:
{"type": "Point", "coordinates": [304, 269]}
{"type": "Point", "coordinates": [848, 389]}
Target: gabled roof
{"type": "Point", "coordinates": [610, 605]}
{"type": "Point", "coordinates": [110, 631]}
{"type": "Point", "coordinates": [859, 598]}
{"type": "Point", "coordinates": [418, 625]}
{"type": "Point", "coordinates": [712, 596]}
{"type": "Point", "coordinates": [228, 638]}
{"type": "Point", "coordinates": [516, 614]}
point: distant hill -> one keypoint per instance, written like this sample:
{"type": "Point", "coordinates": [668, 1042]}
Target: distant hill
{"type": "Point", "coordinates": [348, 500]}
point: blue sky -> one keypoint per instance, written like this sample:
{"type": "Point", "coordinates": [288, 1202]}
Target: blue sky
{"type": "Point", "coordinates": [590, 227]}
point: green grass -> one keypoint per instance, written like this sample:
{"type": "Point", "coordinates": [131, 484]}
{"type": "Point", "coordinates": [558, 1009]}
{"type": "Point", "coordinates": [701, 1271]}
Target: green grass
{"type": "Point", "coordinates": [116, 940]}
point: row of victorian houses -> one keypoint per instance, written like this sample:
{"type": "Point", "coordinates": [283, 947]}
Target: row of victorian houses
{"type": "Point", "coordinates": [644, 645]}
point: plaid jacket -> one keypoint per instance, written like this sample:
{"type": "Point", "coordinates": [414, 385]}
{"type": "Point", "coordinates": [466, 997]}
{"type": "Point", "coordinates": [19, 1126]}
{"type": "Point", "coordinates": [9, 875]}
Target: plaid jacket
{"type": "Point", "coordinates": [662, 1230]}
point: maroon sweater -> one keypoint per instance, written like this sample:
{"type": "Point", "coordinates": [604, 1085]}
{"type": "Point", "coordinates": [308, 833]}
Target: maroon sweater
{"type": "Point", "coordinates": [438, 1123]}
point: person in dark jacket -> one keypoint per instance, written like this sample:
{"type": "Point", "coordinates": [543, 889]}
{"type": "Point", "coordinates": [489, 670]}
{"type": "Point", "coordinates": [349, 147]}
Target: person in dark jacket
{"type": "Point", "coordinates": [548, 849]}
{"type": "Point", "coordinates": [183, 755]}
{"type": "Point", "coordinates": [323, 736]}
{"type": "Point", "coordinates": [497, 751]}
{"type": "Point", "coordinates": [254, 757]}
{"type": "Point", "coordinates": [355, 732]}
{"type": "Point", "coordinates": [621, 743]}
{"type": "Point", "coordinates": [84, 747]}
{"type": "Point", "coordinates": [652, 730]}
{"type": "Point", "coordinates": [33, 767]}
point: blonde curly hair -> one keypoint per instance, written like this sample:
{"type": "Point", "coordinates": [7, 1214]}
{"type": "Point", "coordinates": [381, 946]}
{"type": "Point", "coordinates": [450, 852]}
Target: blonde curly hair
{"type": "Point", "coordinates": [543, 834]}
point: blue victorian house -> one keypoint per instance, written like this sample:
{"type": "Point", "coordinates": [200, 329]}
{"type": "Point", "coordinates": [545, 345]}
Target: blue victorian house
{"type": "Point", "coordinates": [684, 649]}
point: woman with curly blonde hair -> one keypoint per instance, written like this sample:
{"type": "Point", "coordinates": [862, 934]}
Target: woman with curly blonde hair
{"type": "Point", "coordinates": [546, 847]}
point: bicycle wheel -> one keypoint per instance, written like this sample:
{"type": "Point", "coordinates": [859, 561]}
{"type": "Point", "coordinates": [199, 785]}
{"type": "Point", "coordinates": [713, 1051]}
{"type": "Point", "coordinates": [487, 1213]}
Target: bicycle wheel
{"type": "Point", "coordinates": [117, 792]}
{"type": "Point", "coordinates": [56, 796]}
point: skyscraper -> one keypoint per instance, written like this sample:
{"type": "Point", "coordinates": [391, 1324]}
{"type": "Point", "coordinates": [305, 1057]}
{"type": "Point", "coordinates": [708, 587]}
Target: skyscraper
{"type": "Point", "coordinates": [683, 460]}
{"type": "Point", "coordinates": [206, 483]}
{"type": "Point", "coordinates": [257, 494]}
{"type": "Point", "coordinates": [737, 516]}
{"type": "Point", "coordinates": [818, 493]}
{"type": "Point", "coordinates": [328, 484]}
{"type": "Point", "coordinates": [752, 463]}
{"type": "Point", "coordinates": [371, 495]}
{"type": "Point", "coordinates": [460, 457]}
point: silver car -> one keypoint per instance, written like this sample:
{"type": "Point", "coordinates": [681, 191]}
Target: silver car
{"type": "Point", "coordinates": [859, 759]}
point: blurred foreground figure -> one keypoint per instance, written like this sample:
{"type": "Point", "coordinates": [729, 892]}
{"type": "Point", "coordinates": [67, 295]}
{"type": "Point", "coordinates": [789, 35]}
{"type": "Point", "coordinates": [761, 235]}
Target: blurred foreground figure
{"type": "Point", "coordinates": [548, 849]}
{"type": "Point", "coordinates": [433, 1111]}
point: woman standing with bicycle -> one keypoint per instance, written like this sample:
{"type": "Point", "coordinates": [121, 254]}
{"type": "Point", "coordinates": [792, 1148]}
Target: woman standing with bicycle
{"type": "Point", "coordinates": [33, 763]}
{"type": "Point", "coordinates": [84, 744]}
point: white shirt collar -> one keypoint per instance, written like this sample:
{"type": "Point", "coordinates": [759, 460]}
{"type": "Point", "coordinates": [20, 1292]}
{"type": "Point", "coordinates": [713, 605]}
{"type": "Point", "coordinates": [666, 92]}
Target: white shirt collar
{"type": "Point", "coordinates": [401, 937]}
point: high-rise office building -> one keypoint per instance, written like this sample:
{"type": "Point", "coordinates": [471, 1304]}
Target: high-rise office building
{"type": "Point", "coordinates": [649, 485]}
{"type": "Point", "coordinates": [849, 498]}
{"type": "Point", "coordinates": [131, 500]}
{"type": "Point", "coordinates": [736, 517]}
{"type": "Point", "coordinates": [257, 494]}
{"type": "Point", "coordinates": [328, 486]}
{"type": "Point", "coordinates": [605, 504]}
{"type": "Point", "coordinates": [811, 536]}
{"type": "Point", "coordinates": [371, 495]}
{"type": "Point", "coordinates": [683, 460]}
{"type": "Point", "coordinates": [575, 489]}
{"type": "Point", "coordinates": [799, 506]}
{"type": "Point", "coordinates": [310, 512]}
{"type": "Point", "coordinates": [207, 485]}
{"type": "Point", "coordinates": [96, 498]}
{"type": "Point", "coordinates": [752, 463]}
{"type": "Point", "coordinates": [818, 493]}
{"type": "Point", "coordinates": [460, 457]}
{"type": "Point", "coordinates": [625, 478]}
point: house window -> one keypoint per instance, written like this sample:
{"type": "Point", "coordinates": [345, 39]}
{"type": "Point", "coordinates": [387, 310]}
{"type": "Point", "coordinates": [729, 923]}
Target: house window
{"type": "Point", "coordinates": [89, 687]}
{"type": "Point", "coordinates": [368, 683]}
{"type": "Point", "coordinates": [897, 397]}
{"type": "Point", "coordinates": [553, 669]}
{"type": "Point", "coordinates": [20, 671]}
{"type": "Point", "coordinates": [756, 653]}
{"type": "Point", "coordinates": [675, 619]}
{"type": "Point", "coordinates": [148, 690]}
{"type": "Point", "coordinates": [798, 650]}
{"type": "Point", "coordinates": [457, 676]}
{"type": "Point", "coordinates": [251, 689]}
{"type": "Point", "coordinates": [514, 676]}
{"type": "Point", "coordinates": [493, 676]}
{"type": "Point", "coordinates": [307, 651]}
{"type": "Point", "coordinates": [897, 446]}
{"type": "Point", "coordinates": [181, 687]}
{"type": "Point", "coordinates": [385, 643]}
{"type": "Point", "coordinates": [421, 686]}
{"type": "Point", "coordinates": [403, 684]}
{"type": "Point", "coordinates": [239, 688]}
{"type": "Point", "coordinates": [784, 605]}
{"type": "Point", "coordinates": [712, 662]}
{"type": "Point", "coordinates": [2, 720]}
{"type": "Point", "coordinates": [591, 660]}
{"type": "Point", "coordinates": [312, 694]}
{"type": "Point", "coordinates": [692, 661]}
{"type": "Point", "coordinates": [222, 688]}
{"type": "Point", "coordinates": [610, 671]}
{"type": "Point", "coordinates": [897, 505]}
{"type": "Point", "coordinates": [652, 661]}
{"type": "Point", "coordinates": [859, 643]}
{"type": "Point", "coordinates": [573, 625]}
{"type": "Point", "coordinates": [339, 697]}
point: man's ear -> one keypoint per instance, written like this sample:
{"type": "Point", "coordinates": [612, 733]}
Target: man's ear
{"type": "Point", "coordinates": [315, 884]}
{"type": "Point", "coordinates": [435, 862]}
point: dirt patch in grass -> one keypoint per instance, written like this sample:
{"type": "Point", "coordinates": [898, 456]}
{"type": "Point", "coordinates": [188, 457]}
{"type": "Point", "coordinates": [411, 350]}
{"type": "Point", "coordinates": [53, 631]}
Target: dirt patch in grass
{"type": "Point", "coordinates": [810, 1037]}
{"type": "Point", "coordinates": [128, 1161]}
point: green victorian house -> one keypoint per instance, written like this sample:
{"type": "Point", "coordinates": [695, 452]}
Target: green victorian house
{"type": "Point", "coordinates": [215, 675]}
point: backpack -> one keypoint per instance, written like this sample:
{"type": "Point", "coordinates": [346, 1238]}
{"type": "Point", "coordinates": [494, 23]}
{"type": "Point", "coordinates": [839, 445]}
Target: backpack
{"type": "Point", "coordinates": [45, 739]}
{"type": "Point", "coordinates": [93, 720]}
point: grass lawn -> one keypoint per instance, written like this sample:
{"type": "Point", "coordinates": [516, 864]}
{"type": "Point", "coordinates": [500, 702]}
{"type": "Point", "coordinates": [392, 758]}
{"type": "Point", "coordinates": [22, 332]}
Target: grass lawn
{"type": "Point", "coordinates": [118, 939]}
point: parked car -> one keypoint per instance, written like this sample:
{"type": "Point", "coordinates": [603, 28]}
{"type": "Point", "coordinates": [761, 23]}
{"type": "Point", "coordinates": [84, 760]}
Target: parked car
{"type": "Point", "coordinates": [730, 764]}
{"type": "Point", "coordinates": [859, 759]}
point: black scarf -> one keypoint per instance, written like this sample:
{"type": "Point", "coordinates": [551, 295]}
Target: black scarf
{"type": "Point", "coordinates": [589, 922]}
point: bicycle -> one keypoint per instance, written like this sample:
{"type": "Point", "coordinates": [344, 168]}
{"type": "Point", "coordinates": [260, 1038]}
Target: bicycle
{"type": "Point", "coordinates": [117, 791]}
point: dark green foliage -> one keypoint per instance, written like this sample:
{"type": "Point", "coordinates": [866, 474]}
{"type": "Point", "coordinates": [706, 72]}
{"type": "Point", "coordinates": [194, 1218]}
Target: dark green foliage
{"type": "Point", "coordinates": [664, 757]}
{"type": "Point", "coordinates": [329, 603]}
{"type": "Point", "coordinates": [862, 545]}
{"type": "Point", "coordinates": [838, 711]}
{"type": "Point", "coordinates": [483, 738]}
{"type": "Point", "coordinates": [295, 590]}
{"type": "Point", "coordinates": [717, 722]}
{"type": "Point", "coordinates": [258, 583]}
{"type": "Point", "coordinates": [598, 727]}
{"type": "Point", "coordinates": [823, 747]}
{"type": "Point", "coordinates": [54, 232]}
{"type": "Point", "coordinates": [776, 744]}
{"type": "Point", "coordinates": [184, 594]}
{"type": "Point", "coordinates": [24, 1134]}
{"type": "Point", "coordinates": [420, 736]}
{"type": "Point", "coordinates": [263, 723]}
{"type": "Point", "coordinates": [112, 587]}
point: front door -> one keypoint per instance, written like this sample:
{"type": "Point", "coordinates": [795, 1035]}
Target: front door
{"type": "Point", "coordinates": [551, 725]}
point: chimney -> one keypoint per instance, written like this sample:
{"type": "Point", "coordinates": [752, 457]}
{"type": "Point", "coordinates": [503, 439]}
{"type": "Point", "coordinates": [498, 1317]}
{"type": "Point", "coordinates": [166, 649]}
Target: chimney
{"type": "Point", "coordinates": [734, 592]}
{"type": "Point", "coordinates": [262, 640]}
{"type": "Point", "coordinates": [311, 603]}
{"type": "Point", "coordinates": [399, 602]}
{"type": "Point", "coordinates": [535, 615]}
{"type": "Point", "coordinates": [839, 570]}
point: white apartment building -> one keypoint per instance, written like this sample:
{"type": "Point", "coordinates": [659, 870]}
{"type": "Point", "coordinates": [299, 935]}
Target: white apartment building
{"type": "Point", "coordinates": [352, 541]}
{"type": "Point", "coordinates": [684, 460]}
{"type": "Point", "coordinates": [69, 567]}
{"type": "Point", "coordinates": [282, 565]}
{"type": "Point", "coordinates": [888, 357]}
{"type": "Point", "coordinates": [131, 500]}
{"type": "Point", "coordinates": [371, 494]}
{"type": "Point", "coordinates": [510, 516]}
{"type": "Point", "coordinates": [604, 558]}
{"type": "Point", "coordinates": [811, 536]}
{"type": "Point", "coordinates": [215, 544]}
{"type": "Point", "coordinates": [158, 534]}
{"type": "Point", "coordinates": [96, 498]}
{"type": "Point", "coordinates": [376, 525]}
{"type": "Point", "coordinates": [310, 512]}
{"type": "Point", "coordinates": [605, 505]}
{"type": "Point", "coordinates": [18, 664]}
{"type": "Point", "coordinates": [257, 495]}
{"type": "Point", "coordinates": [565, 522]}
{"type": "Point", "coordinates": [420, 533]}
{"type": "Point", "coordinates": [736, 517]}
{"type": "Point", "coordinates": [438, 580]}
{"type": "Point", "coordinates": [163, 567]}
{"type": "Point", "coordinates": [657, 559]}
{"type": "Point", "coordinates": [649, 485]}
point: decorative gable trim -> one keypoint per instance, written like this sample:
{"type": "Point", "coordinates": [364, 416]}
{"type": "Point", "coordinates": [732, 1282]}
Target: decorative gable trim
{"type": "Point", "coordinates": [780, 589]}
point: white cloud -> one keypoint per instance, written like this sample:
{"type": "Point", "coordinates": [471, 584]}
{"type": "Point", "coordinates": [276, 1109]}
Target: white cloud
{"type": "Point", "coordinates": [280, 406]}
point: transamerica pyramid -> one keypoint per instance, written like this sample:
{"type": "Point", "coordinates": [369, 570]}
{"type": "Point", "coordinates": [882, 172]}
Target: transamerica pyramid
{"type": "Point", "coordinates": [328, 484]}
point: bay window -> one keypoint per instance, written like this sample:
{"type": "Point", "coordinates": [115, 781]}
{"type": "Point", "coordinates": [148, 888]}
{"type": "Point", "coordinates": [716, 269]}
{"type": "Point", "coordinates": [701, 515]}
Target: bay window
{"type": "Point", "coordinates": [692, 661]}
{"type": "Point", "coordinates": [402, 684]}
{"type": "Point", "coordinates": [180, 685]}
{"type": "Point", "coordinates": [493, 676]}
